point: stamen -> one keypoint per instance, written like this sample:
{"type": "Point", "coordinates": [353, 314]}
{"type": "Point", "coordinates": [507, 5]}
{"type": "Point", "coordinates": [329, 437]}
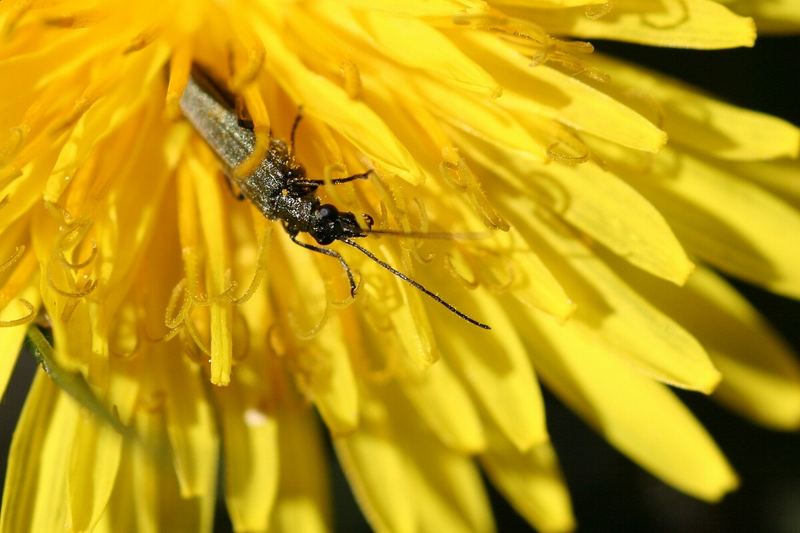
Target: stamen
{"type": "Point", "coordinates": [350, 298]}
{"type": "Point", "coordinates": [81, 106]}
{"type": "Point", "coordinates": [19, 278]}
{"type": "Point", "coordinates": [90, 285]}
{"type": "Point", "coordinates": [650, 101]}
{"type": "Point", "coordinates": [180, 66]}
{"type": "Point", "coordinates": [195, 336]}
{"type": "Point", "coordinates": [126, 354]}
{"type": "Point", "coordinates": [247, 55]}
{"type": "Point", "coordinates": [253, 65]}
{"type": "Point", "coordinates": [329, 141]}
{"type": "Point", "coordinates": [278, 352]}
{"type": "Point", "coordinates": [27, 319]}
{"type": "Point", "coordinates": [191, 261]}
{"type": "Point", "coordinates": [335, 192]}
{"type": "Point", "coordinates": [170, 335]}
{"type": "Point", "coordinates": [19, 251]}
{"type": "Point", "coordinates": [262, 266]}
{"type": "Point", "coordinates": [352, 79]}
{"type": "Point", "coordinates": [9, 176]}
{"type": "Point", "coordinates": [682, 17]}
{"type": "Point", "coordinates": [596, 11]}
{"type": "Point", "coordinates": [388, 202]}
{"type": "Point", "coordinates": [424, 222]}
{"type": "Point", "coordinates": [241, 337]}
{"type": "Point", "coordinates": [451, 269]}
{"type": "Point", "coordinates": [74, 20]}
{"type": "Point", "coordinates": [512, 275]}
{"type": "Point", "coordinates": [573, 47]}
{"type": "Point", "coordinates": [60, 214]}
{"type": "Point", "coordinates": [171, 319]}
{"type": "Point", "coordinates": [12, 146]}
{"type": "Point", "coordinates": [383, 374]}
{"type": "Point", "coordinates": [315, 329]}
{"type": "Point", "coordinates": [414, 284]}
{"type": "Point", "coordinates": [551, 194]}
{"type": "Point", "coordinates": [225, 297]}
{"type": "Point", "coordinates": [451, 176]}
{"type": "Point", "coordinates": [577, 68]}
{"type": "Point", "coordinates": [15, 17]}
{"type": "Point", "coordinates": [424, 228]}
{"type": "Point", "coordinates": [568, 159]}
{"type": "Point", "coordinates": [142, 40]}
{"type": "Point", "coordinates": [154, 402]}
{"type": "Point", "coordinates": [378, 316]}
{"type": "Point", "coordinates": [80, 264]}
{"type": "Point", "coordinates": [69, 308]}
{"type": "Point", "coordinates": [261, 127]}
{"type": "Point", "coordinates": [462, 174]}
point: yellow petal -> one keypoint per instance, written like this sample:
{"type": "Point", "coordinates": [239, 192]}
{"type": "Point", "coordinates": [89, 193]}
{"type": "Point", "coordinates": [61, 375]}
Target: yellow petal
{"type": "Point", "coordinates": [598, 204]}
{"type": "Point", "coordinates": [334, 389]}
{"type": "Point", "coordinates": [421, 8]}
{"type": "Point", "coordinates": [409, 317]}
{"type": "Point", "coordinates": [190, 421]}
{"type": "Point", "coordinates": [134, 213]}
{"type": "Point", "coordinates": [11, 338]}
{"type": "Point", "coordinates": [303, 500]}
{"type": "Point", "coordinates": [638, 416]}
{"type": "Point", "coordinates": [415, 44]}
{"type": "Point", "coordinates": [447, 489]}
{"type": "Point", "coordinates": [412, 481]}
{"type": "Point", "coordinates": [495, 367]}
{"type": "Point", "coordinates": [538, 287]}
{"type": "Point", "coordinates": [158, 504]}
{"type": "Point", "coordinates": [212, 220]}
{"type": "Point", "coordinates": [442, 402]}
{"type": "Point", "coordinates": [330, 103]}
{"type": "Point", "coordinates": [616, 215]}
{"type": "Point", "coordinates": [616, 316]}
{"type": "Point", "coordinates": [559, 97]}
{"type": "Point", "coordinates": [734, 225]}
{"type": "Point", "coordinates": [775, 16]}
{"type": "Point", "coordinates": [479, 116]}
{"type": "Point", "coordinates": [92, 470]}
{"type": "Point", "coordinates": [532, 482]}
{"type": "Point", "coordinates": [761, 376]}
{"type": "Point", "coordinates": [702, 123]}
{"type": "Point", "coordinates": [377, 473]}
{"type": "Point", "coordinates": [250, 446]}
{"type": "Point", "coordinates": [701, 24]}
{"type": "Point", "coordinates": [782, 178]}
{"type": "Point", "coordinates": [120, 513]}
{"type": "Point", "coordinates": [329, 374]}
{"type": "Point", "coordinates": [27, 189]}
{"type": "Point", "coordinates": [35, 494]}
{"type": "Point", "coordinates": [548, 4]}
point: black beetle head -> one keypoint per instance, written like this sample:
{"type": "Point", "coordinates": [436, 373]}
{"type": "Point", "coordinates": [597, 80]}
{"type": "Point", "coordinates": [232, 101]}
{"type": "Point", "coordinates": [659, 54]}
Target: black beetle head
{"type": "Point", "coordinates": [330, 224]}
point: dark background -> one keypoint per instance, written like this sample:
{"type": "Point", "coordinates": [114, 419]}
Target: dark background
{"type": "Point", "coordinates": [609, 492]}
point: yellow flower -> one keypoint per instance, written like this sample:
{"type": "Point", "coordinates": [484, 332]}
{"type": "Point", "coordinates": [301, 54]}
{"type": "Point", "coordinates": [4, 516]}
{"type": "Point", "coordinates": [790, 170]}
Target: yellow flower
{"type": "Point", "coordinates": [596, 274]}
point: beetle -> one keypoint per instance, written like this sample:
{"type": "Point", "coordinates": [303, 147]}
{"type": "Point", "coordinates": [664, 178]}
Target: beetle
{"type": "Point", "coordinates": [279, 187]}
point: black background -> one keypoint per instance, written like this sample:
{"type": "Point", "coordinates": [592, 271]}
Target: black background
{"type": "Point", "coordinates": [609, 492]}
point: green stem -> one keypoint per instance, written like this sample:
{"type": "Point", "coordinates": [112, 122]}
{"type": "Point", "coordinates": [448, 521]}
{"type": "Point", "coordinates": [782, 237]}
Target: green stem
{"type": "Point", "coordinates": [73, 383]}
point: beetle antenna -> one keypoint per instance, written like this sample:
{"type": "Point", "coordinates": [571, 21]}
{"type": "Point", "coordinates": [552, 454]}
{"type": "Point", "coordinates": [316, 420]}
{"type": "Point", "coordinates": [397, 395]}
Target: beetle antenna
{"type": "Point", "coordinates": [413, 283]}
{"type": "Point", "coordinates": [443, 235]}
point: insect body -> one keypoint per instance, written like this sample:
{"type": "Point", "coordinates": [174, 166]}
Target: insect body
{"type": "Point", "coordinates": [279, 187]}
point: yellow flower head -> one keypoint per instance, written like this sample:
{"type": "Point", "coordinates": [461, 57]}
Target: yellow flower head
{"type": "Point", "coordinates": [592, 264]}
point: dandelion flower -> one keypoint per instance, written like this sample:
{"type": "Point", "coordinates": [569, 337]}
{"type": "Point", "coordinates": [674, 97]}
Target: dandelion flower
{"type": "Point", "coordinates": [201, 327]}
